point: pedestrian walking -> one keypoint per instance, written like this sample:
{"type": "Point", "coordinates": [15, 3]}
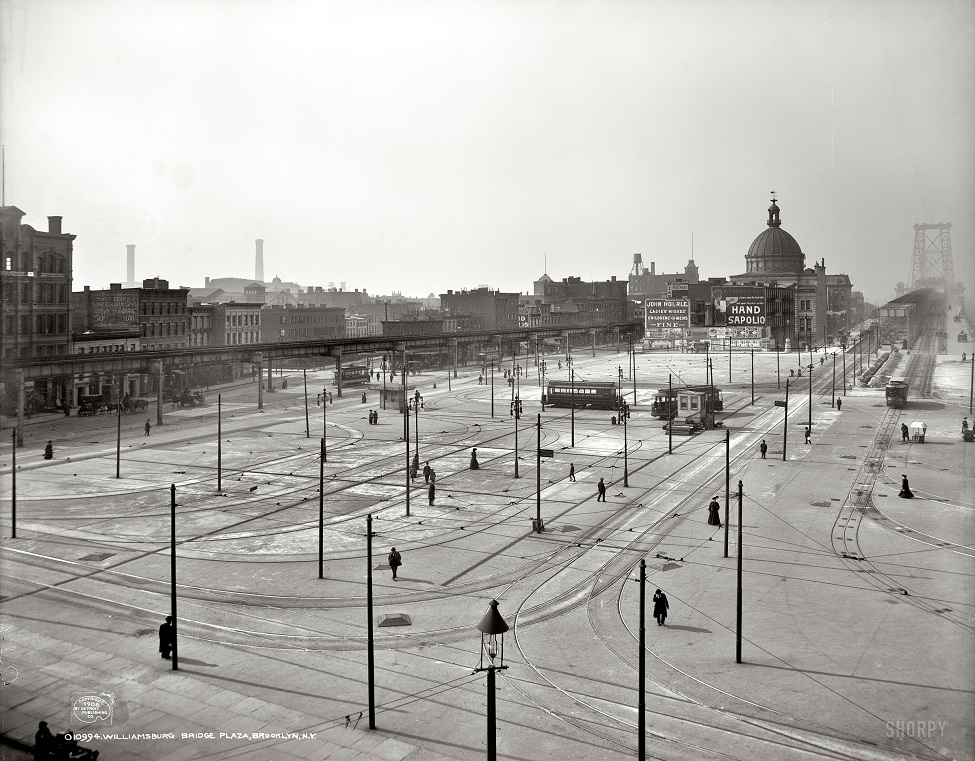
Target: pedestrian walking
{"type": "Point", "coordinates": [474, 464]}
{"type": "Point", "coordinates": [839, 405]}
{"type": "Point", "coordinates": [808, 435]}
{"type": "Point", "coordinates": [601, 488]}
{"type": "Point", "coordinates": [964, 424]}
{"type": "Point", "coordinates": [148, 428]}
{"type": "Point", "coordinates": [166, 638]}
{"type": "Point", "coordinates": [714, 518]}
{"type": "Point", "coordinates": [763, 448]}
{"type": "Point", "coordinates": [905, 491]}
{"type": "Point", "coordinates": [432, 492]}
{"type": "Point", "coordinates": [48, 451]}
{"type": "Point", "coordinates": [905, 433]}
{"type": "Point", "coordinates": [427, 470]}
{"type": "Point", "coordinates": [395, 561]}
{"type": "Point", "coordinates": [660, 607]}
{"type": "Point", "coordinates": [572, 471]}
{"type": "Point", "coordinates": [363, 397]}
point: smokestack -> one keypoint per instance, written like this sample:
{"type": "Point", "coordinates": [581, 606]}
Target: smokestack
{"type": "Point", "coordinates": [259, 262]}
{"type": "Point", "coordinates": [54, 225]}
{"type": "Point", "coordinates": [130, 264]}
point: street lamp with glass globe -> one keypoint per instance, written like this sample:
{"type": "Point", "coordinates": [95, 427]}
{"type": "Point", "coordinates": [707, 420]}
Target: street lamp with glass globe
{"type": "Point", "coordinates": [492, 628]}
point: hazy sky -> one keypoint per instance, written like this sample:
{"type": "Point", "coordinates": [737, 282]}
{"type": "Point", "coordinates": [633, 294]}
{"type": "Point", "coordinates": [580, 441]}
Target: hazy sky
{"type": "Point", "coordinates": [420, 146]}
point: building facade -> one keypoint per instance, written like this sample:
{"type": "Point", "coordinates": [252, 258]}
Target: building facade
{"type": "Point", "coordinates": [494, 310]}
{"type": "Point", "coordinates": [302, 323]}
{"type": "Point", "coordinates": [236, 323]}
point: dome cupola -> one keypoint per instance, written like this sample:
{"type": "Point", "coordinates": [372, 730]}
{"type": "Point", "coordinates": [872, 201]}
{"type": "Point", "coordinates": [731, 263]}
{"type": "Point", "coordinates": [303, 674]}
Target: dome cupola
{"type": "Point", "coordinates": [774, 251]}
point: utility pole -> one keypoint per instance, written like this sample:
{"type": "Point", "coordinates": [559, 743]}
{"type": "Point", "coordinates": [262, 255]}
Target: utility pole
{"type": "Point", "coordinates": [740, 532]}
{"type": "Point", "coordinates": [172, 573]}
{"type": "Point", "coordinates": [727, 486]}
{"type": "Point", "coordinates": [370, 658]}
{"type": "Point", "coordinates": [785, 421]}
{"type": "Point", "coordinates": [641, 722]}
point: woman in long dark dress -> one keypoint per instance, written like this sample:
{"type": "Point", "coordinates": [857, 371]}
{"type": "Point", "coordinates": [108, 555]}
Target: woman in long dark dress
{"type": "Point", "coordinates": [905, 492]}
{"type": "Point", "coordinates": [714, 519]}
{"type": "Point", "coordinates": [660, 606]}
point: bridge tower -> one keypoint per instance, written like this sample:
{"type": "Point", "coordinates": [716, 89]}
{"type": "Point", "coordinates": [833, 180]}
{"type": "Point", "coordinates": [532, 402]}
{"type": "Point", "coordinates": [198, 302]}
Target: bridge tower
{"type": "Point", "coordinates": [932, 267]}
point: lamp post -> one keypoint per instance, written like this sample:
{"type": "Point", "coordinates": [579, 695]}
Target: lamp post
{"type": "Point", "coordinates": [516, 408]}
{"type": "Point", "coordinates": [624, 415]}
{"type": "Point", "coordinates": [492, 628]}
{"type": "Point", "coordinates": [416, 403]}
{"type": "Point", "coordinates": [832, 402]}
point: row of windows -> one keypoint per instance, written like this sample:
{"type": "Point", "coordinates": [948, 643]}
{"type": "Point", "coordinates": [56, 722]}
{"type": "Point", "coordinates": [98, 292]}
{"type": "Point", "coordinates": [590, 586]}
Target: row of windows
{"type": "Point", "coordinates": [238, 320]}
{"type": "Point", "coordinates": [54, 350]}
{"type": "Point", "coordinates": [159, 307]}
{"type": "Point", "coordinates": [50, 263]}
{"type": "Point", "coordinates": [201, 322]}
{"type": "Point", "coordinates": [245, 337]}
{"type": "Point", "coordinates": [107, 349]}
{"type": "Point", "coordinates": [163, 329]}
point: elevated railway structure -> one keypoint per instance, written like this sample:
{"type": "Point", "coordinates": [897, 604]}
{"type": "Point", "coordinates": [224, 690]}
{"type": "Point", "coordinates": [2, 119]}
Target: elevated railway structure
{"type": "Point", "coordinates": [159, 363]}
{"type": "Point", "coordinates": [904, 319]}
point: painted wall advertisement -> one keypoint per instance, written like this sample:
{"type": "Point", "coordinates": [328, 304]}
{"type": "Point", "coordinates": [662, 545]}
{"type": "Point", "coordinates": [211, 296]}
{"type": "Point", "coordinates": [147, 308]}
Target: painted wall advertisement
{"type": "Point", "coordinates": [739, 306]}
{"type": "Point", "coordinates": [667, 317]}
{"type": "Point", "coordinates": [114, 310]}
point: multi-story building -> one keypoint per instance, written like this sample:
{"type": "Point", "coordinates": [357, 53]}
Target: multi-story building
{"type": "Point", "coordinates": [302, 323]}
{"type": "Point", "coordinates": [35, 289]}
{"type": "Point", "coordinates": [493, 309]}
{"type": "Point", "coordinates": [821, 301]}
{"type": "Point", "coordinates": [236, 323]}
{"type": "Point", "coordinates": [201, 324]}
{"type": "Point", "coordinates": [158, 311]}
{"type": "Point", "coordinates": [644, 282]}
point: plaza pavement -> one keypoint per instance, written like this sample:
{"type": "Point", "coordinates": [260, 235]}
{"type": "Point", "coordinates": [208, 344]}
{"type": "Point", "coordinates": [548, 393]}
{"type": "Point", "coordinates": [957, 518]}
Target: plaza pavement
{"type": "Point", "coordinates": [866, 648]}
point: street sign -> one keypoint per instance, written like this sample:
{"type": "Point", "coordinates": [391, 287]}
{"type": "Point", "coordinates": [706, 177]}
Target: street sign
{"type": "Point", "coordinates": [546, 453]}
{"type": "Point", "coordinates": [780, 404]}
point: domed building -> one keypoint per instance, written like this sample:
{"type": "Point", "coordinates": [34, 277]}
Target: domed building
{"type": "Point", "coordinates": [819, 309]}
{"type": "Point", "coordinates": [774, 250]}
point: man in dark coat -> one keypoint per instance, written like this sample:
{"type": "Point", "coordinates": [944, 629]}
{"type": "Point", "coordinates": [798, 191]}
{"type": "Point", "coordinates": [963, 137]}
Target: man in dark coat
{"type": "Point", "coordinates": [44, 744]}
{"type": "Point", "coordinates": [48, 450]}
{"type": "Point", "coordinates": [839, 405]}
{"type": "Point", "coordinates": [763, 448]}
{"type": "Point", "coordinates": [572, 471]}
{"type": "Point", "coordinates": [714, 519]}
{"type": "Point", "coordinates": [660, 607]}
{"type": "Point", "coordinates": [427, 470]}
{"type": "Point", "coordinates": [432, 492]}
{"type": "Point", "coordinates": [166, 638]}
{"type": "Point", "coordinates": [905, 433]}
{"type": "Point", "coordinates": [808, 435]}
{"type": "Point", "coordinates": [148, 428]}
{"type": "Point", "coordinates": [601, 488]}
{"type": "Point", "coordinates": [395, 561]}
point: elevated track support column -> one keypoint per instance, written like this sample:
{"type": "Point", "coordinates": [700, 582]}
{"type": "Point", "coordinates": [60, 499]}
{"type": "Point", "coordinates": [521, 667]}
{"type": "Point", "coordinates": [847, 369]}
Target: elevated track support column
{"type": "Point", "coordinates": [159, 396]}
{"type": "Point", "coordinates": [336, 354]}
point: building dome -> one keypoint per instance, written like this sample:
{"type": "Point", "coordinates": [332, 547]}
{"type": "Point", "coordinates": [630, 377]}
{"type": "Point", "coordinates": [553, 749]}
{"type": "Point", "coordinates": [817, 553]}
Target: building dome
{"type": "Point", "coordinates": [774, 251]}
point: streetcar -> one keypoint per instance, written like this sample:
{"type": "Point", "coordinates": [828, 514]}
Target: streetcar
{"type": "Point", "coordinates": [665, 400]}
{"type": "Point", "coordinates": [602, 395]}
{"type": "Point", "coordinates": [353, 375]}
{"type": "Point", "coordinates": [897, 392]}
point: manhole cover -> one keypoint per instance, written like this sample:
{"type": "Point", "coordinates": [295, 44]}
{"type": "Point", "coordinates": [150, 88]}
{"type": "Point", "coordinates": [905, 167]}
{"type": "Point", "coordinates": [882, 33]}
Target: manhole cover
{"type": "Point", "coordinates": [98, 556]}
{"type": "Point", "coordinates": [569, 528]}
{"type": "Point", "coordinates": [395, 619]}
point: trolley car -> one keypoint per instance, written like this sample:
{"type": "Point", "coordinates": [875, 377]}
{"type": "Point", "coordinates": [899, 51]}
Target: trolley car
{"type": "Point", "coordinates": [353, 375]}
{"type": "Point", "coordinates": [897, 392]}
{"type": "Point", "coordinates": [601, 395]}
{"type": "Point", "coordinates": [665, 403]}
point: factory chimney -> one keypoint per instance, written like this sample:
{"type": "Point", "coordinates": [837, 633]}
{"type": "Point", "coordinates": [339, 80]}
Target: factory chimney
{"type": "Point", "coordinates": [130, 264]}
{"type": "Point", "coordinates": [259, 261]}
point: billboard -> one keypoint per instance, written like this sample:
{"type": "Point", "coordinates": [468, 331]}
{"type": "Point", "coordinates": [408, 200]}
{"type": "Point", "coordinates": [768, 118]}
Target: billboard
{"type": "Point", "coordinates": [741, 306]}
{"type": "Point", "coordinates": [114, 310]}
{"type": "Point", "coordinates": [667, 315]}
